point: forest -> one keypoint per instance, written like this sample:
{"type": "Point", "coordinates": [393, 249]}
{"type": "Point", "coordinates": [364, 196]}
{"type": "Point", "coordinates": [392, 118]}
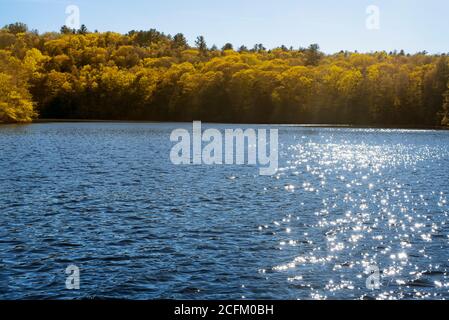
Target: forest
{"type": "Point", "coordinates": [151, 76]}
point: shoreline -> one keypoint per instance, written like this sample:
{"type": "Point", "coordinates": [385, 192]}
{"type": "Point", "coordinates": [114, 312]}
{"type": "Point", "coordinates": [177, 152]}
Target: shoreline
{"type": "Point", "coordinates": [303, 125]}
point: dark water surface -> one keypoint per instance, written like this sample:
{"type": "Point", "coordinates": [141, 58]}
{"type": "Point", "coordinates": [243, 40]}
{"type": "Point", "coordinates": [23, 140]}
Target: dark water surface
{"type": "Point", "coordinates": [105, 197]}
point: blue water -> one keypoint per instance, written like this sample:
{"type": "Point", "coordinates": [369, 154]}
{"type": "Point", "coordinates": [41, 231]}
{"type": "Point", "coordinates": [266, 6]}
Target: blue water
{"type": "Point", "coordinates": [106, 198]}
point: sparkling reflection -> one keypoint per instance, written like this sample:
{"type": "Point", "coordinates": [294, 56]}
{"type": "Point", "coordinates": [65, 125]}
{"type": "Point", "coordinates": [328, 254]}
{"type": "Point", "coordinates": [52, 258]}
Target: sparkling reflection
{"type": "Point", "coordinates": [105, 197]}
{"type": "Point", "coordinates": [378, 206]}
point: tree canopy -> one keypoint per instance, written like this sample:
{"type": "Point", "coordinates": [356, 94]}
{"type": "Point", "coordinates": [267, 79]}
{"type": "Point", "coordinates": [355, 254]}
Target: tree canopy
{"type": "Point", "coordinates": [148, 75]}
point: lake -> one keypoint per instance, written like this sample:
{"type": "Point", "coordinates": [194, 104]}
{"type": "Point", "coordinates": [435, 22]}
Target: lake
{"type": "Point", "coordinates": [106, 198]}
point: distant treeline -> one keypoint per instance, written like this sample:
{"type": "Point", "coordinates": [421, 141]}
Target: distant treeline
{"type": "Point", "coordinates": [147, 75]}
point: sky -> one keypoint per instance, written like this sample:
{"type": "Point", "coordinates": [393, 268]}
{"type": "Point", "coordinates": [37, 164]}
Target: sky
{"type": "Point", "coordinates": [412, 25]}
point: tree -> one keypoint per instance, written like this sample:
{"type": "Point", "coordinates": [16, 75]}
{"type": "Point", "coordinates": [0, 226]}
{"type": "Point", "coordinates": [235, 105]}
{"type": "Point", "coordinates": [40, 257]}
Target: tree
{"type": "Point", "coordinates": [15, 101]}
{"type": "Point", "coordinates": [147, 38]}
{"type": "Point", "coordinates": [445, 120]}
{"type": "Point", "coordinates": [435, 86]}
{"type": "Point", "coordinates": [180, 41]}
{"type": "Point", "coordinates": [67, 30]}
{"type": "Point", "coordinates": [259, 48]}
{"type": "Point", "coordinates": [313, 55]}
{"type": "Point", "coordinates": [126, 56]}
{"type": "Point", "coordinates": [147, 75]}
{"type": "Point", "coordinates": [293, 95]}
{"type": "Point", "coordinates": [228, 46]}
{"type": "Point", "coordinates": [16, 28]}
{"type": "Point", "coordinates": [83, 30]}
{"type": "Point", "coordinates": [201, 44]}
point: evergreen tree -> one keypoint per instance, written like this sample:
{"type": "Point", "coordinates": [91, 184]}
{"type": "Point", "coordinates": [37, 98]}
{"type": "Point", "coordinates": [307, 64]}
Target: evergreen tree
{"type": "Point", "coordinates": [16, 28]}
{"type": "Point", "coordinates": [313, 55]}
{"type": "Point", "coordinates": [83, 30]}
{"type": "Point", "coordinates": [201, 44]}
{"type": "Point", "coordinates": [180, 41]}
{"type": "Point", "coordinates": [228, 46]}
{"type": "Point", "coordinates": [67, 30]}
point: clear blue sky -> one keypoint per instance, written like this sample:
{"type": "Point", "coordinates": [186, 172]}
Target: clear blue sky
{"type": "Point", "coordinates": [413, 25]}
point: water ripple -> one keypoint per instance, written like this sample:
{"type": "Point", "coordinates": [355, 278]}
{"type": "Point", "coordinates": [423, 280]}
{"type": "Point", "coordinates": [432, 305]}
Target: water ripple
{"type": "Point", "coordinates": [106, 198]}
